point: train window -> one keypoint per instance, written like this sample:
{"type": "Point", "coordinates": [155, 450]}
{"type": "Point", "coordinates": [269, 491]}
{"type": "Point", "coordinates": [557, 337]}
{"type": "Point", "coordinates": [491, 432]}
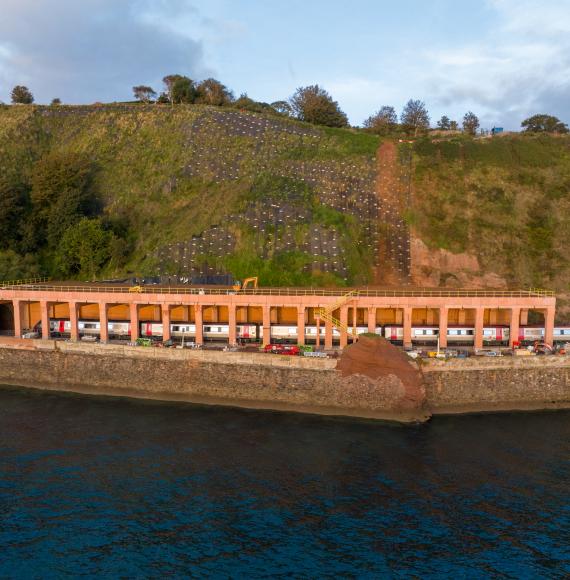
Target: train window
{"type": "Point", "coordinates": [207, 329]}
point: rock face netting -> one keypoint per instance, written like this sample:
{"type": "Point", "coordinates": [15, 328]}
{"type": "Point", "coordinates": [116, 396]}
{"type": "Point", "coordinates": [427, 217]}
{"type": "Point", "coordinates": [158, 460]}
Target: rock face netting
{"type": "Point", "coordinates": [233, 146]}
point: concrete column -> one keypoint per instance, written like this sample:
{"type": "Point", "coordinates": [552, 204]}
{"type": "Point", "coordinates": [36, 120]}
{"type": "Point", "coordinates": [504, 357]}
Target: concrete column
{"type": "Point", "coordinates": [135, 326]}
{"type": "Point", "coordinates": [344, 323]}
{"type": "Point", "coordinates": [45, 319]}
{"type": "Point", "coordinates": [549, 326]}
{"type": "Point", "coordinates": [479, 316]}
{"type": "Point", "coordinates": [17, 307]}
{"type": "Point", "coordinates": [371, 319]}
{"type": "Point", "coordinates": [199, 322]}
{"type": "Point", "coordinates": [318, 339]}
{"type": "Point", "coordinates": [514, 326]}
{"type": "Point", "coordinates": [443, 318]}
{"type": "Point", "coordinates": [165, 311]}
{"type": "Point", "coordinates": [328, 335]}
{"type": "Point", "coordinates": [232, 333]}
{"type": "Point", "coordinates": [524, 316]}
{"type": "Point", "coordinates": [73, 321]}
{"type": "Point", "coordinates": [407, 326]}
{"type": "Point", "coordinates": [301, 325]}
{"type": "Point", "coordinates": [354, 322]}
{"type": "Point", "coordinates": [103, 323]}
{"type": "Point", "coordinates": [266, 325]}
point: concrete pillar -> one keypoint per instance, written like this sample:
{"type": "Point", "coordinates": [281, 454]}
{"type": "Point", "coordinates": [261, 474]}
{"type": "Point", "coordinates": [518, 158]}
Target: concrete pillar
{"type": "Point", "coordinates": [443, 318]}
{"type": "Point", "coordinates": [135, 326]}
{"type": "Point", "coordinates": [407, 322]}
{"type": "Point", "coordinates": [199, 322]}
{"type": "Point", "coordinates": [165, 311]}
{"type": "Point", "coordinates": [73, 321]}
{"type": "Point", "coordinates": [479, 317]}
{"type": "Point", "coordinates": [17, 307]}
{"type": "Point", "coordinates": [344, 324]}
{"type": "Point", "coordinates": [266, 325]}
{"type": "Point", "coordinates": [103, 323]}
{"type": "Point", "coordinates": [318, 339]}
{"type": "Point", "coordinates": [514, 326]}
{"type": "Point", "coordinates": [45, 319]}
{"type": "Point", "coordinates": [354, 322]}
{"type": "Point", "coordinates": [371, 319]}
{"type": "Point", "coordinates": [328, 335]}
{"type": "Point", "coordinates": [232, 332]}
{"type": "Point", "coordinates": [549, 326]}
{"type": "Point", "coordinates": [524, 316]}
{"type": "Point", "coordinates": [301, 325]}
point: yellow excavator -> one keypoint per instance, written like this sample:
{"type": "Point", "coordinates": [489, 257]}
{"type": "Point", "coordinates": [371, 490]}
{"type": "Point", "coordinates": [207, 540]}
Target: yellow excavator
{"type": "Point", "coordinates": [247, 283]}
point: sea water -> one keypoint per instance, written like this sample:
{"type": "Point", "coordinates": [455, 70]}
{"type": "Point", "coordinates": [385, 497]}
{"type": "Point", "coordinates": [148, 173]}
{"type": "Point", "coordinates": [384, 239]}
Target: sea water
{"type": "Point", "coordinates": [116, 488]}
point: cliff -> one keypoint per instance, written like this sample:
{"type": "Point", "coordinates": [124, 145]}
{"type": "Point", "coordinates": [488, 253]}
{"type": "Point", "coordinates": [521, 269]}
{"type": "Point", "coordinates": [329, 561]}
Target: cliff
{"type": "Point", "coordinates": [205, 190]}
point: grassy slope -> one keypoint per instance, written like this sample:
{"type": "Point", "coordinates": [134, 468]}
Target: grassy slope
{"type": "Point", "coordinates": [143, 154]}
{"type": "Point", "coordinates": [506, 199]}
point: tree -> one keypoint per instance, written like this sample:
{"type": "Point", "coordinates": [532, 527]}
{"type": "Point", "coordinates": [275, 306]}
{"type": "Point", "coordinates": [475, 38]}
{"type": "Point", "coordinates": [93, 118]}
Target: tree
{"type": "Point", "coordinates": [144, 93]}
{"type": "Point", "coordinates": [444, 124]}
{"type": "Point", "coordinates": [179, 89]}
{"type": "Point", "coordinates": [21, 95]}
{"type": "Point", "coordinates": [470, 123]}
{"type": "Point", "coordinates": [314, 105]}
{"type": "Point", "coordinates": [246, 104]}
{"type": "Point", "coordinates": [183, 91]}
{"type": "Point", "coordinates": [453, 126]}
{"type": "Point", "coordinates": [55, 102]}
{"type": "Point", "coordinates": [383, 122]}
{"type": "Point", "coordinates": [415, 116]}
{"type": "Point", "coordinates": [13, 203]}
{"type": "Point", "coordinates": [213, 92]}
{"type": "Point", "coordinates": [544, 124]}
{"type": "Point", "coordinates": [14, 266]}
{"type": "Point", "coordinates": [84, 248]}
{"type": "Point", "coordinates": [62, 192]}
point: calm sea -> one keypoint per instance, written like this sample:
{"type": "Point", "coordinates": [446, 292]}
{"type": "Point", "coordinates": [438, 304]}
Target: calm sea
{"type": "Point", "coordinates": [114, 488]}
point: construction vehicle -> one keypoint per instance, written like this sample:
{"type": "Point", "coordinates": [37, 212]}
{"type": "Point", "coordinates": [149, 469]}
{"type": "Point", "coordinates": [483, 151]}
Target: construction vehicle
{"type": "Point", "coordinates": [240, 286]}
{"type": "Point", "coordinates": [137, 289]}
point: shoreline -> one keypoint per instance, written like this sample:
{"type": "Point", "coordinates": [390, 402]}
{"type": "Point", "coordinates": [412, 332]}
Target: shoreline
{"type": "Point", "coordinates": [286, 384]}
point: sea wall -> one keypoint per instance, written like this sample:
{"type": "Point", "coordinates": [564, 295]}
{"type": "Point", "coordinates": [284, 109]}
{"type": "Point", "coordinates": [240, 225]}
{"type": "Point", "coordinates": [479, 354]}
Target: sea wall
{"type": "Point", "coordinates": [264, 381]}
{"type": "Point", "coordinates": [506, 383]}
{"type": "Point", "coordinates": [250, 380]}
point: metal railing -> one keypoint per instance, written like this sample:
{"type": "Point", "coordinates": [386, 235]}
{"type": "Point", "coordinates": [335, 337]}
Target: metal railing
{"type": "Point", "coordinates": [338, 292]}
{"type": "Point", "coordinates": [23, 282]}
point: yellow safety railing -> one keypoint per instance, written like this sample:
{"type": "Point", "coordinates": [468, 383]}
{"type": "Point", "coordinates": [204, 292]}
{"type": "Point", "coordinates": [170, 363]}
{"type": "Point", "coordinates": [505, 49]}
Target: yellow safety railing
{"type": "Point", "coordinates": [326, 314]}
{"type": "Point", "coordinates": [39, 286]}
{"type": "Point", "coordinates": [24, 282]}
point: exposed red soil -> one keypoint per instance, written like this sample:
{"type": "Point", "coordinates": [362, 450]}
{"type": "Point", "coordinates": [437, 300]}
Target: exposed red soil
{"type": "Point", "coordinates": [381, 361]}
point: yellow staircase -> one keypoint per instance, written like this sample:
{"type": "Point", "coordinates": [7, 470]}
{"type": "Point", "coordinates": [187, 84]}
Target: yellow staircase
{"type": "Point", "coordinates": [326, 314]}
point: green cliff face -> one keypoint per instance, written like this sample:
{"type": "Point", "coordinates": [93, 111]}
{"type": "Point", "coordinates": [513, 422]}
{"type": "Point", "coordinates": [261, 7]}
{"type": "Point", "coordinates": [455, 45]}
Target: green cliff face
{"type": "Point", "coordinates": [192, 190]}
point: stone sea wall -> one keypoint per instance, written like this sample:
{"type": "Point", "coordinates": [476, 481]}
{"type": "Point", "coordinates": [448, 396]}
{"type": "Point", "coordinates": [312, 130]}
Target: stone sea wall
{"type": "Point", "coordinates": [506, 383]}
{"type": "Point", "coordinates": [285, 383]}
{"type": "Point", "coordinates": [239, 379]}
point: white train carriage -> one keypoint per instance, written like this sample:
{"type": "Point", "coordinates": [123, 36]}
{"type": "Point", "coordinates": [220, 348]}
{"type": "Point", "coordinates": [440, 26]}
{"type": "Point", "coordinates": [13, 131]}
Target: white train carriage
{"type": "Point", "coordinates": [530, 334]}
{"type": "Point", "coordinates": [456, 335]}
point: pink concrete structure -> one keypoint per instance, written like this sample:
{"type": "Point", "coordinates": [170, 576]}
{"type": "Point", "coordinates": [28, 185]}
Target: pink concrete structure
{"type": "Point", "coordinates": [517, 302]}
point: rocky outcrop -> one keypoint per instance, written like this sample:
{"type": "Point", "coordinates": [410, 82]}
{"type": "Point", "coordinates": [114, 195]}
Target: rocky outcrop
{"type": "Point", "coordinates": [437, 267]}
{"type": "Point", "coordinates": [386, 368]}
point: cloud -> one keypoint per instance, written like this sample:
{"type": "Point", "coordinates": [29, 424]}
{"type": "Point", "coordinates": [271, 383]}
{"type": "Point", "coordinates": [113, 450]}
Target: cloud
{"type": "Point", "coordinates": [89, 50]}
{"type": "Point", "coordinates": [520, 67]}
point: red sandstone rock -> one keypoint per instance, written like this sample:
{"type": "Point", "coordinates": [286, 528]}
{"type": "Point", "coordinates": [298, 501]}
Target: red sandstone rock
{"type": "Point", "coordinates": [388, 368]}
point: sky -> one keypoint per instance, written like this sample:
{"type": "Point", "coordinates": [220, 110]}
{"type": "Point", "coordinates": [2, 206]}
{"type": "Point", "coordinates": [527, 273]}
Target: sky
{"type": "Point", "coordinates": [502, 59]}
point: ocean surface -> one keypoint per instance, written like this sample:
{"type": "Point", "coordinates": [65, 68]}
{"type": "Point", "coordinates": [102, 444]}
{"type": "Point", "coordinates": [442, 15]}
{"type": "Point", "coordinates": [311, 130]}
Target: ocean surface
{"type": "Point", "coordinates": [126, 489]}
